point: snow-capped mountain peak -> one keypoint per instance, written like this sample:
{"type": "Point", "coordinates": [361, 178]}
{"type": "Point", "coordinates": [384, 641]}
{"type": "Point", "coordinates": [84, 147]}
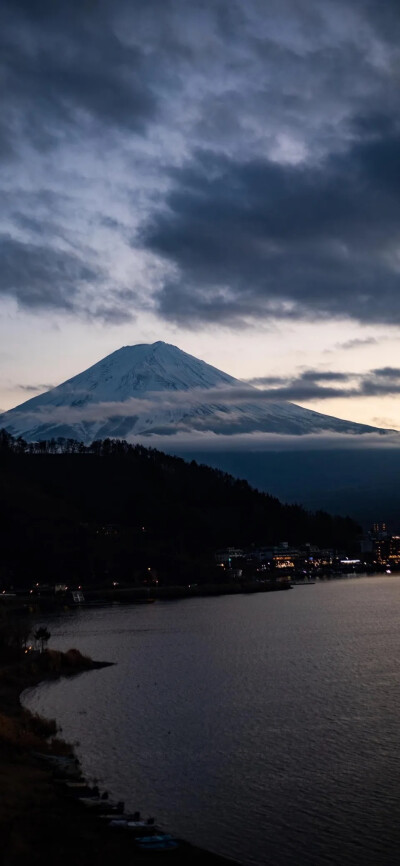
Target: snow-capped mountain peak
{"type": "Point", "coordinates": [157, 388]}
{"type": "Point", "coordinates": [133, 371]}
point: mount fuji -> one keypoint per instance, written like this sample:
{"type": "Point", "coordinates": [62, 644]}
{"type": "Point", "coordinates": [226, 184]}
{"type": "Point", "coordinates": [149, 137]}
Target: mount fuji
{"type": "Point", "coordinates": [147, 390]}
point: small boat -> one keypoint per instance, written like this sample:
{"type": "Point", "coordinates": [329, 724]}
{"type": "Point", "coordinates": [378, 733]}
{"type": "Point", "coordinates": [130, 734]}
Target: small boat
{"type": "Point", "coordinates": [58, 760]}
{"type": "Point", "coordinates": [74, 786]}
{"type": "Point", "coordinates": [133, 827]}
{"type": "Point", "coordinates": [98, 805]}
{"type": "Point", "coordinates": [159, 842]}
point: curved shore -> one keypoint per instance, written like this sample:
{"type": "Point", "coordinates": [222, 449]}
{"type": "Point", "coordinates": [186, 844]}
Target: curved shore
{"type": "Point", "coordinates": [38, 821]}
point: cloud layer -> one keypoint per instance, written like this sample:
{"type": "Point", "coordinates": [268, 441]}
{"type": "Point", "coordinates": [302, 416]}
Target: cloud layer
{"type": "Point", "coordinates": [263, 239]}
{"type": "Point", "coordinates": [205, 409]}
{"type": "Point", "coordinates": [311, 385]}
{"type": "Point", "coordinates": [221, 162]}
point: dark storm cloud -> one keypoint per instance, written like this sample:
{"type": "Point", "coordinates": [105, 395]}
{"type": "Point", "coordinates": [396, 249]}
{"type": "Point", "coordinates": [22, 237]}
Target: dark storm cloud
{"type": "Point", "coordinates": [7, 148]}
{"type": "Point", "coordinates": [112, 314]}
{"type": "Point", "coordinates": [257, 238]}
{"type": "Point", "coordinates": [384, 17]}
{"type": "Point", "coordinates": [41, 277]}
{"type": "Point", "coordinates": [62, 64]}
{"type": "Point", "coordinates": [256, 146]}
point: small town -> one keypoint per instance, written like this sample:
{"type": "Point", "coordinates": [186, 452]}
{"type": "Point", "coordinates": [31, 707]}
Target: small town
{"type": "Point", "coordinates": [255, 568]}
{"type": "Point", "coordinates": [378, 550]}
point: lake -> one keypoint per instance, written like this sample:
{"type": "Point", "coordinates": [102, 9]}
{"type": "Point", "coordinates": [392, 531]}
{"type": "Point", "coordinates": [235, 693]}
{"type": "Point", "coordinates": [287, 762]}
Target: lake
{"type": "Point", "coordinates": [264, 727]}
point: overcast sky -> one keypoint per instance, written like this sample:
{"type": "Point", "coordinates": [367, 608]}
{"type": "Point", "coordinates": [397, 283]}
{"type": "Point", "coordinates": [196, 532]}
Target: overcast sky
{"type": "Point", "coordinates": [223, 175]}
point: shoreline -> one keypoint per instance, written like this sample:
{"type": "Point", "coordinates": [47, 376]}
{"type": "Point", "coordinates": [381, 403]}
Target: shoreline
{"type": "Point", "coordinates": [38, 820]}
{"type": "Point", "coordinates": [50, 603]}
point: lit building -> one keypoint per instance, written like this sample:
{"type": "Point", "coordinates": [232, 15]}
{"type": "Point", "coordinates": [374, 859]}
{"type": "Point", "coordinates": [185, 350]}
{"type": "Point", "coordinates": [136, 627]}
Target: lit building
{"type": "Point", "coordinates": [394, 550]}
{"type": "Point", "coordinates": [225, 557]}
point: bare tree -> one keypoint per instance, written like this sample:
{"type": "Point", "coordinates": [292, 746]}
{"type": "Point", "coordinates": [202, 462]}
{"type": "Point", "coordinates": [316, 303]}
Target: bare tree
{"type": "Point", "coordinates": [43, 635]}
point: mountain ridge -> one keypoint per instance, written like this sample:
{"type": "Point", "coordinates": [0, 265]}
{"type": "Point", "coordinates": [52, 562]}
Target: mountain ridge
{"type": "Point", "coordinates": [157, 389]}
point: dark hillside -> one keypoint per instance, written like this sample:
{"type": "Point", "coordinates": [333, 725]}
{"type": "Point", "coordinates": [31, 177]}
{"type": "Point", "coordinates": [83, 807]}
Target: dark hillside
{"type": "Point", "coordinates": [114, 511]}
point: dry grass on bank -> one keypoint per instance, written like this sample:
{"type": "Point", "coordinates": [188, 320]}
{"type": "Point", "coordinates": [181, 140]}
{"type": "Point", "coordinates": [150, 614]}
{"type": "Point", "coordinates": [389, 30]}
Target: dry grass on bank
{"type": "Point", "coordinates": [26, 731]}
{"type": "Point", "coordinates": [38, 822]}
{"type": "Point", "coordinates": [19, 728]}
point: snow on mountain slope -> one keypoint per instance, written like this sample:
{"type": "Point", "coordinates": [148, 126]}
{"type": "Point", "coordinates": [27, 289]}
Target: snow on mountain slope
{"type": "Point", "coordinates": [158, 389]}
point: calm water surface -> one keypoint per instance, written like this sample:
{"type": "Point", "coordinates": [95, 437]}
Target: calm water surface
{"type": "Point", "coordinates": [265, 727]}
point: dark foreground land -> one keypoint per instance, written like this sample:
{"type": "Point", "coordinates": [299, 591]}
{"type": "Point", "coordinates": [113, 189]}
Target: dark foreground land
{"type": "Point", "coordinates": [118, 514]}
{"type": "Point", "coordinates": [39, 823]}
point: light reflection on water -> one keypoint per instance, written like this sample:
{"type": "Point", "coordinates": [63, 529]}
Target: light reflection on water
{"type": "Point", "coordinates": [265, 727]}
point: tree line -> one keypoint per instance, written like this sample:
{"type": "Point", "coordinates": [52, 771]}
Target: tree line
{"type": "Point", "coordinates": [112, 511]}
